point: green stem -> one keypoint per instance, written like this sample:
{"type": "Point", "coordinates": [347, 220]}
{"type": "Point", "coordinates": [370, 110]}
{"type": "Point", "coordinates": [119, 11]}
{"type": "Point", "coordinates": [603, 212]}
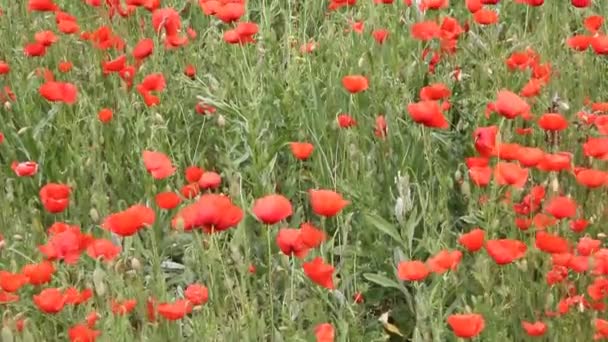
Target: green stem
{"type": "Point", "coordinates": [270, 287]}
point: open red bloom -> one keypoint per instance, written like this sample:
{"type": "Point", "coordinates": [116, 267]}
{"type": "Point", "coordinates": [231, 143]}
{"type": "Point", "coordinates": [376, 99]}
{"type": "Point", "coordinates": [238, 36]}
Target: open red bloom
{"type": "Point", "coordinates": [562, 207]}
{"type": "Point", "coordinates": [197, 294]}
{"type": "Point", "coordinates": [505, 251]}
{"type": "Point", "coordinates": [210, 180]}
{"type": "Point", "coordinates": [272, 209]}
{"type": "Point", "coordinates": [510, 105]}
{"type": "Point", "coordinates": [326, 203]}
{"type": "Point", "coordinates": [158, 164]}
{"type": "Point", "coordinates": [59, 92]}
{"type": "Point", "coordinates": [104, 249]}
{"type": "Point", "coordinates": [324, 332]}
{"type": "Point", "coordinates": [212, 213]}
{"type": "Point", "coordinates": [176, 310]}
{"type": "Point", "coordinates": [355, 83]}
{"type": "Point", "coordinates": [129, 221]}
{"type": "Point", "coordinates": [290, 242]}
{"type": "Point", "coordinates": [301, 150]}
{"type": "Point", "coordinates": [25, 169]}
{"type": "Point", "coordinates": [466, 325]}
{"type": "Point", "coordinates": [428, 113]}
{"type": "Point", "coordinates": [320, 272]}
{"type": "Point", "coordinates": [551, 243]}
{"type": "Point", "coordinates": [311, 236]}
{"type": "Point", "coordinates": [65, 243]}
{"type": "Point", "coordinates": [444, 261]}
{"type": "Point", "coordinates": [83, 333]}
{"type": "Point", "coordinates": [473, 240]}
{"type": "Point", "coordinates": [124, 307]}
{"type": "Point", "coordinates": [167, 200]}
{"type": "Point", "coordinates": [412, 270]}
{"type": "Point", "coordinates": [50, 300]}
{"type": "Point", "coordinates": [12, 282]}
{"type": "Point", "coordinates": [38, 274]}
{"type": "Point", "coordinates": [55, 197]}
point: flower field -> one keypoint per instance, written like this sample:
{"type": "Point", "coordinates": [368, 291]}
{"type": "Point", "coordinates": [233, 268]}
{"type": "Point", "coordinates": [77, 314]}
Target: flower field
{"type": "Point", "coordinates": [328, 170]}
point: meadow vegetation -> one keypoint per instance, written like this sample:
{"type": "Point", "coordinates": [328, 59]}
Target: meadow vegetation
{"type": "Point", "coordinates": [222, 170]}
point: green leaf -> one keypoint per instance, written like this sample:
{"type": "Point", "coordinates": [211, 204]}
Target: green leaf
{"type": "Point", "coordinates": [384, 226]}
{"type": "Point", "coordinates": [381, 280]}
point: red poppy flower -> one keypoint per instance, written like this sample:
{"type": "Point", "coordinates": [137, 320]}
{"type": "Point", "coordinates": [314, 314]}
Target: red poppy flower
{"type": "Point", "coordinates": [562, 207]}
{"type": "Point", "coordinates": [473, 240]}
{"type": "Point", "coordinates": [551, 243]}
{"type": "Point", "coordinates": [380, 35]}
{"type": "Point", "coordinates": [590, 178]}
{"type": "Point", "coordinates": [346, 121]}
{"type": "Point", "coordinates": [65, 243]}
{"type": "Point", "coordinates": [129, 221]}
{"type": "Point", "coordinates": [435, 92]}
{"type": "Point", "coordinates": [320, 272]}
{"type": "Point", "coordinates": [505, 251]}
{"type": "Point", "coordinates": [466, 325]}
{"type": "Point", "coordinates": [105, 115]}
{"type": "Point", "coordinates": [426, 30]}
{"type": "Point", "coordinates": [83, 333]}
{"type": "Point", "coordinates": [176, 310]}
{"type": "Point", "coordinates": [7, 297]}
{"type": "Point", "coordinates": [38, 274]}
{"type": "Point", "coordinates": [355, 83]}
{"type": "Point", "coordinates": [104, 249]}
{"type": "Point", "coordinates": [124, 307]}
{"type": "Point", "coordinates": [552, 122]}
{"type": "Point", "coordinates": [12, 282]}
{"type": "Point", "coordinates": [210, 180]}
{"type": "Point", "coordinates": [212, 213]}
{"type": "Point", "coordinates": [510, 105]}
{"type": "Point", "coordinates": [510, 174]}
{"type": "Point", "coordinates": [75, 297]}
{"type": "Point", "coordinates": [25, 169]}
{"type": "Point", "coordinates": [301, 150]}
{"type": "Point", "coordinates": [485, 17]}
{"type": "Point", "coordinates": [326, 203]}
{"type": "Point", "coordinates": [324, 332]}
{"type": "Point", "coordinates": [158, 164]}
{"type": "Point", "coordinates": [167, 200]}
{"type": "Point", "coordinates": [444, 261]}
{"type": "Point", "coordinates": [272, 209]}
{"type": "Point", "coordinates": [530, 156]}
{"type": "Point", "coordinates": [190, 191]}
{"type": "Point", "coordinates": [311, 236]}
{"type": "Point", "coordinates": [290, 242]}
{"type": "Point", "coordinates": [55, 197]}
{"type": "Point", "coordinates": [51, 300]}
{"type": "Point", "coordinates": [41, 6]}
{"type": "Point", "coordinates": [143, 49]}
{"type": "Point", "coordinates": [428, 113]}
{"type": "Point", "coordinates": [412, 270]}
{"type": "Point", "coordinates": [197, 294]}
{"type": "Point", "coordinates": [59, 92]}
{"type": "Point", "coordinates": [193, 174]}
{"type": "Point", "coordinates": [480, 175]}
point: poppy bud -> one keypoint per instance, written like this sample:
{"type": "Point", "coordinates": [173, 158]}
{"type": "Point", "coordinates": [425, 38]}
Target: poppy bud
{"type": "Point", "coordinates": [221, 121]}
{"type": "Point", "coordinates": [135, 264]}
{"type": "Point", "coordinates": [7, 334]}
{"type": "Point", "coordinates": [399, 209]}
{"type": "Point", "coordinates": [94, 215]}
{"type": "Point", "coordinates": [465, 189]}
